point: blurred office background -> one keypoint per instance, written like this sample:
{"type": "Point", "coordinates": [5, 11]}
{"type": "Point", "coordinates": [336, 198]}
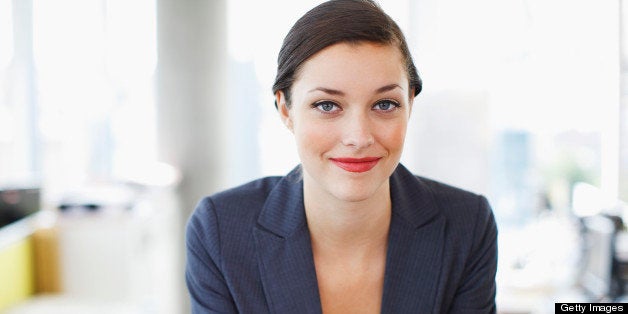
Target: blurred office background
{"type": "Point", "coordinates": [116, 117]}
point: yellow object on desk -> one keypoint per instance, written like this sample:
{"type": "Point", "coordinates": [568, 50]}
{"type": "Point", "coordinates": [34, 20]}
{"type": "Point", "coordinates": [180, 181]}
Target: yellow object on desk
{"type": "Point", "coordinates": [17, 280]}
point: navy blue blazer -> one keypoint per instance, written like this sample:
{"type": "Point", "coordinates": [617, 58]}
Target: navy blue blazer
{"type": "Point", "coordinates": [249, 250]}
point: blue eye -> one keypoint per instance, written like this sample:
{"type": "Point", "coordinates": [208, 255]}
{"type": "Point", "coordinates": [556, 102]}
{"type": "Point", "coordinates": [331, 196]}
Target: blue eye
{"type": "Point", "coordinates": [386, 105]}
{"type": "Point", "coordinates": [326, 106]}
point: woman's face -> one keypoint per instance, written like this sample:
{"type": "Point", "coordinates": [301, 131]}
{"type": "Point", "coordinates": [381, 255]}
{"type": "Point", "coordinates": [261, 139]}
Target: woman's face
{"type": "Point", "coordinates": [349, 112]}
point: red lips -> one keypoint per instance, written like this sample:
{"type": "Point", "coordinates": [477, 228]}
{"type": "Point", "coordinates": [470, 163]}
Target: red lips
{"type": "Point", "coordinates": [356, 164]}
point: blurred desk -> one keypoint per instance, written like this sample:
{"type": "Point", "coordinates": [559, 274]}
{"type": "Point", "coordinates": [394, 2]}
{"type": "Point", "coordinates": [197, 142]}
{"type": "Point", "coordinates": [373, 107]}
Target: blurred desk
{"type": "Point", "coordinates": [538, 265]}
{"type": "Point", "coordinates": [513, 301]}
{"type": "Point", "coordinates": [61, 304]}
{"type": "Point", "coordinates": [557, 260]}
{"type": "Point", "coordinates": [110, 260]}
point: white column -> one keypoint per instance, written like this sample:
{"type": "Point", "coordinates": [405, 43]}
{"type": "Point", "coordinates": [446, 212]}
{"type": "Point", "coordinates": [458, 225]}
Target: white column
{"type": "Point", "coordinates": [623, 112]}
{"type": "Point", "coordinates": [192, 99]}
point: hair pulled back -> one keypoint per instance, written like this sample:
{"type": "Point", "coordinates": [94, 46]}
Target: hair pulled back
{"type": "Point", "coordinates": [337, 21]}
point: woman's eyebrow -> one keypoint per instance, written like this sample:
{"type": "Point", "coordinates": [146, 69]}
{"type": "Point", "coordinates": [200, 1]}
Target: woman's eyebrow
{"type": "Point", "coordinates": [328, 91]}
{"type": "Point", "coordinates": [387, 88]}
{"type": "Point", "coordinates": [341, 93]}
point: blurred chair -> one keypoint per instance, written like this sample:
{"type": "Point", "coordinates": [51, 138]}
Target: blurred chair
{"type": "Point", "coordinates": [600, 275]}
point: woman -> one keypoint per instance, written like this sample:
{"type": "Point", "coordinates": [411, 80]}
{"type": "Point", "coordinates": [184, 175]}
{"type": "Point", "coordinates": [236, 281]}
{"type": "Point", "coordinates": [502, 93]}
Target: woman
{"type": "Point", "coordinates": [350, 230]}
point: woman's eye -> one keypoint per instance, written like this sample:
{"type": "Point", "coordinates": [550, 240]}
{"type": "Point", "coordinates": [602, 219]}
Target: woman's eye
{"type": "Point", "coordinates": [386, 105]}
{"type": "Point", "coordinates": [327, 106]}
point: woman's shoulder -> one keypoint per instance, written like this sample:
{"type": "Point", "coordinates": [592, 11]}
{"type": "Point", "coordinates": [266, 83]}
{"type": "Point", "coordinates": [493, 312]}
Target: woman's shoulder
{"type": "Point", "coordinates": [424, 199]}
{"type": "Point", "coordinates": [245, 197]}
{"type": "Point", "coordinates": [455, 201]}
{"type": "Point", "coordinates": [445, 190]}
{"type": "Point", "coordinates": [469, 215]}
{"type": "Point", "coordinates": [422, 188]}
{"type": "Point", "coordinates": [228, 214]}
{"type": "Point", "coordinates": [256, 189]}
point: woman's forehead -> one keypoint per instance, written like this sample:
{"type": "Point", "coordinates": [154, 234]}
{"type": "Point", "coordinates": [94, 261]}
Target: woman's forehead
{"type": "Point", "coordinates": [344, 63]}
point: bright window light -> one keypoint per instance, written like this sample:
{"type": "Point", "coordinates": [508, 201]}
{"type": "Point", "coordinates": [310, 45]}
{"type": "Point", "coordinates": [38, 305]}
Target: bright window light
{"type": "Point", "coordinates": [6, 33]}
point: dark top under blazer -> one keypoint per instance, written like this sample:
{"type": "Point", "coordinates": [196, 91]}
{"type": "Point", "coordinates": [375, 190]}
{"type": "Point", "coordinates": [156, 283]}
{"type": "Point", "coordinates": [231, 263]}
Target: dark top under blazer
{"type": "Point", "coordinates": [249, 250]}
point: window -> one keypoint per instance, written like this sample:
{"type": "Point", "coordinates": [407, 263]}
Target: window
{"type": "Point", "coordinates": [78, 91]}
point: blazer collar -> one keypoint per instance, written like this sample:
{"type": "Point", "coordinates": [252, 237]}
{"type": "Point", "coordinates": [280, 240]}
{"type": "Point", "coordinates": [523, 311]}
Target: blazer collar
{"type": "Point", "coordinates": [283, 212]}
{"type": "Point", "coordinates": [411, 198]}
{"type": "Point", "coordinates": [284, 250]}
{"type": "Point", "coordinates": [415, 247]}
{"type": "Point", "coordinates": [413, 258]}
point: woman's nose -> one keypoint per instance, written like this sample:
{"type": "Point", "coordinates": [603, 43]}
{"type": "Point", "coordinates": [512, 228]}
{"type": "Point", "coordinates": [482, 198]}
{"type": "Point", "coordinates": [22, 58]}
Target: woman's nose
{"type": "Point", "coordinates": [357, 132]}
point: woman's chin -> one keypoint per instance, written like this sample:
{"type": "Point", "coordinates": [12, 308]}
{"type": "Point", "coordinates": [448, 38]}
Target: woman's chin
{"type": "Point", "coordinates": [354, 193]}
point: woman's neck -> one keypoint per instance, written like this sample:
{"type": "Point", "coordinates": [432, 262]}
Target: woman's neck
{"type": "Point", "coordinates": [338, 225]}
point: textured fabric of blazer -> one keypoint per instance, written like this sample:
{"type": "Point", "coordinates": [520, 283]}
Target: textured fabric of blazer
{"type": "Point", "coordinates": [249, 250]}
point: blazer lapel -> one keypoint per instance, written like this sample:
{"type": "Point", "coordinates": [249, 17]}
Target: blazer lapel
{"type": "Point", "coordinates": [415, 247]}
{"type": "Point", "coordinates": [284, 250]}
{"type": "Point", "coordinates": [413, 261]}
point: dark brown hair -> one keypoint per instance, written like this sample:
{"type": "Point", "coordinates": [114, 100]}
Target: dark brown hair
{"type": "Point", "coordinates": [336, 21]}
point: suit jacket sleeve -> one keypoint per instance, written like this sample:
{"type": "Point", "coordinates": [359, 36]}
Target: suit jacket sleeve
{"type": "Point", "coordinates": [476, 293]}
{"type": "Point", "coordinates": [206, 284]}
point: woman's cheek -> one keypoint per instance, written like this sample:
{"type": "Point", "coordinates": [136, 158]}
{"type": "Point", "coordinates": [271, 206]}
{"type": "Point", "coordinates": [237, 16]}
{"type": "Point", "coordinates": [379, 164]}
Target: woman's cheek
{"type": "Point", "coordinates": [314, 138]}
{"type": "Point", "coordinates": [393, 136]}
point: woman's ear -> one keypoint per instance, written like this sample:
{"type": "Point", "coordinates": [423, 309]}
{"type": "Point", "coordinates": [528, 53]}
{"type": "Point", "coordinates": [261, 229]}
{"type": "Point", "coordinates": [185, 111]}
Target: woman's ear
{"type": "Point", "coordinates": [284, 111]}
{"type": "Point", "coordinates": [410, 102]}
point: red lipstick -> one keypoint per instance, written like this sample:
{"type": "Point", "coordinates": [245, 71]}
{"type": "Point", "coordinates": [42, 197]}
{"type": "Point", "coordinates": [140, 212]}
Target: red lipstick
{"type": "Point", "coordinates": [356, 164]}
